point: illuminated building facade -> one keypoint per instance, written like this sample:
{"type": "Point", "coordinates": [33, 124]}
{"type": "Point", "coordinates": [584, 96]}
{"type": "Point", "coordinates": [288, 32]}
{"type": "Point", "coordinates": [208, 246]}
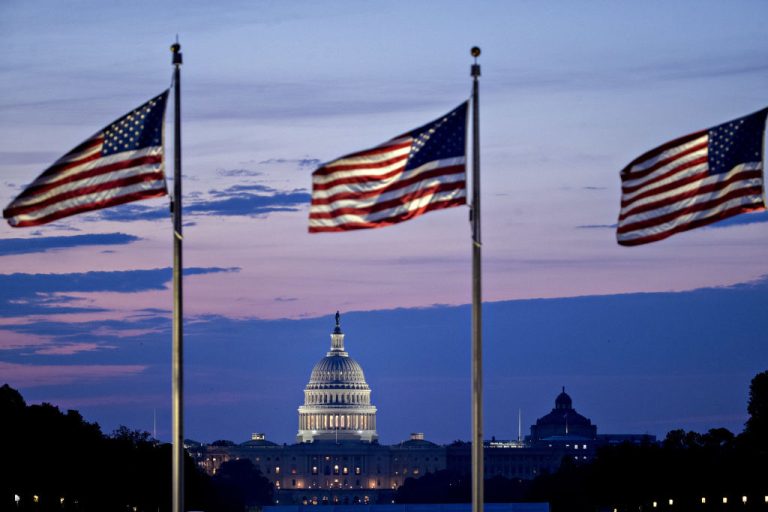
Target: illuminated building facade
{"type": "Point", "coordinates": [337, 458]}
{"type": "Point", "coordinates": [330, 472]}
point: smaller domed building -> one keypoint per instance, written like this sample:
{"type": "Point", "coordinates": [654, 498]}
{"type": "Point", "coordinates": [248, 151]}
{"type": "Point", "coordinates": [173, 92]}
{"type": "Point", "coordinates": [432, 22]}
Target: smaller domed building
{"type": "Point", "coordinates": [563, 422]}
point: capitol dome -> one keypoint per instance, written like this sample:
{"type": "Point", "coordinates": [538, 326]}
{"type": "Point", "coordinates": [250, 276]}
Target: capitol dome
{"type": "Point", "coordinates": [337, 371]}
{"type": "Point", "coordinates": [337, 400]}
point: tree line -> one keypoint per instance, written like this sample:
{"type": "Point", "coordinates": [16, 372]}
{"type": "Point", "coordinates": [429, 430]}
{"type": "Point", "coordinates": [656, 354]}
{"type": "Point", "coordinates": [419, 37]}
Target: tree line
{"type": "Point", "coordinates": [57, 461]}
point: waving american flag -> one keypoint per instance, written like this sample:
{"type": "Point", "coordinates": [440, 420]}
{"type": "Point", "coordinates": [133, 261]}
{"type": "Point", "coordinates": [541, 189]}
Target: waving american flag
{"type": "Point", "coordinates": [417, 172]}
{"type": "Point", "coordinates": [121, 163]}
{"type": "Point", "coordinates": [693, 181]}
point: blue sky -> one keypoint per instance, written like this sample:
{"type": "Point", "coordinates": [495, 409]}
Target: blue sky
{"type": "Point", "coordinates": [570, 94]}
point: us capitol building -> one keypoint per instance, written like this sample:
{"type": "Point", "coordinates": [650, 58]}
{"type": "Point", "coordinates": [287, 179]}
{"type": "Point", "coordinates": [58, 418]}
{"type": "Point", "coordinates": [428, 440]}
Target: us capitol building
{"type": "Point", "coordinates": [337, 458]}
{"type": "Point", "coordinates": [337, 400]}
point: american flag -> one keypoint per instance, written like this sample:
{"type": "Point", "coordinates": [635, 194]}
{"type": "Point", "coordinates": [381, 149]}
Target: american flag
{"type": "Point", "coordinates": [693, 181]}
{"type": "Point", "coordinates": [121, 163]}
{"type": "Point", "coordinates": [412, 174]}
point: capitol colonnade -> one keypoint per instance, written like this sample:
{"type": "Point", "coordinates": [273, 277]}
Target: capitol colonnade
{"type": "Point", "coordinates": [355, 422]}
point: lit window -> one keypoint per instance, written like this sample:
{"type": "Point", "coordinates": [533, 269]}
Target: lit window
{"type": "Point", "coordinates": [357, 471]}
{"type": "Point", "coordinates": [314, 470]}
{"type": "Point", "coordinates": [277, 470]}
{"type": "Point", "coordinates": [345, 470]}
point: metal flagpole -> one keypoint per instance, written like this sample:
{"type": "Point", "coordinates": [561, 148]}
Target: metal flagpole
{"type": "Point", "coordinates": [477, 325]}
{"type": "Point", "coordinates": [178, 338]}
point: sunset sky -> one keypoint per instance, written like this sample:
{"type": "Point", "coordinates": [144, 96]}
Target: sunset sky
{"type": "Point", "coordinates": [645, 339]}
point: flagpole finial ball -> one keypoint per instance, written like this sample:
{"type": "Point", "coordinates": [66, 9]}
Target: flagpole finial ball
{"type": "Point", "coordinates": [475, 51]}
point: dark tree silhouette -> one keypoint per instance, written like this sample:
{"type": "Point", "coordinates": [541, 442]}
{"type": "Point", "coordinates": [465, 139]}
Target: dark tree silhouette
{"type": "Point", "coordinates": [59, 456]}
{"type": "Point", "coordinates": [239, 484]}
{"type": "Point", "coordinates": [439, 487]}
{"type": "Point", "coordinates": [757, 425]}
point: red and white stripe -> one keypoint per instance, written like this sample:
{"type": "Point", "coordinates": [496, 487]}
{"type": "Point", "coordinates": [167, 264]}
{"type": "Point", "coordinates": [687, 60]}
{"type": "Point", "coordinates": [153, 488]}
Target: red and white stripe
{"type": "Point", "coordinates": [669, 189]}
{"type": "Point", "coordinates": [371, 188]}
{"type": "Point", "coordinates": [83, 180]}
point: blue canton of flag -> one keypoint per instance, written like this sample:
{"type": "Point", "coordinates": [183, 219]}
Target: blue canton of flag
{"type": "Point", "coordinates": [121, 163]}
{"type": "Point", "coordinates": [735, 142]}
{"type": "Point", "coordinates": [139, 129]}
{"type": "Point", "coordinates": [441, 139]}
